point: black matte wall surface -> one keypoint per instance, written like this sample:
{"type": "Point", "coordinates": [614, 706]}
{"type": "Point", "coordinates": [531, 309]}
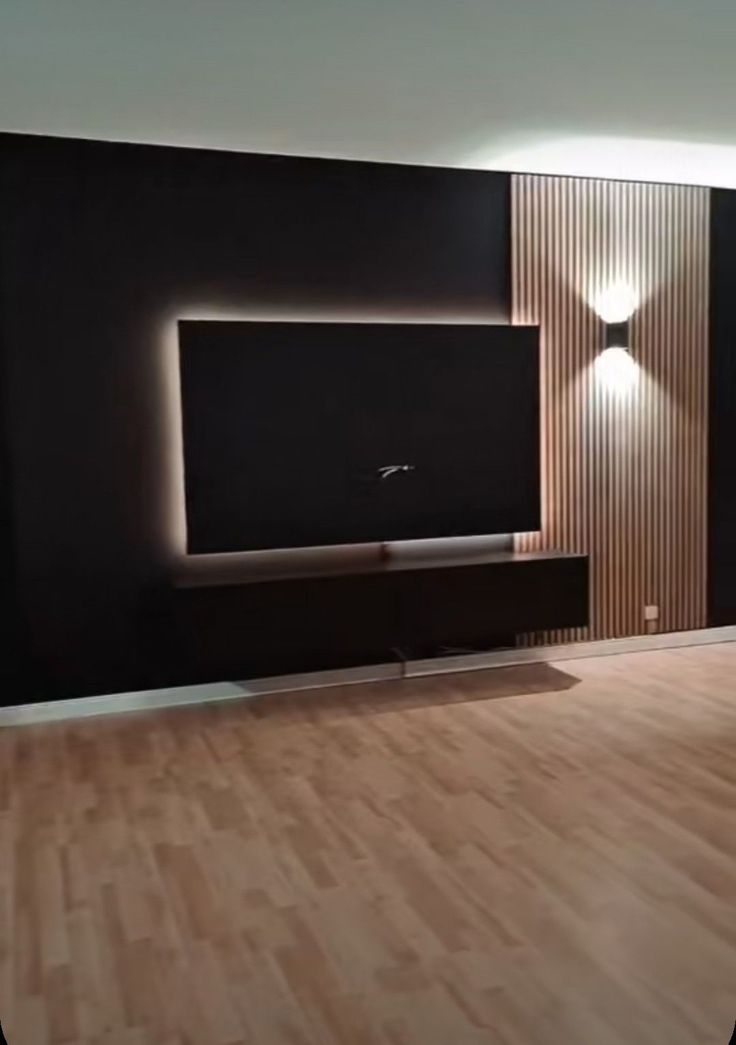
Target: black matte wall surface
{"type": "Point", "coordinates": [102, 247]}
{"type": "Point", "coordinates": [13, 660]}
{"type": "Point", "coordinates": [722, 412]}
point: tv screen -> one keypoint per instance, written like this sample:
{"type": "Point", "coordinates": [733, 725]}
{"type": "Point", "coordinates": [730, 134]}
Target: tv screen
{"type": "Point", "coordinates": [304, 434]}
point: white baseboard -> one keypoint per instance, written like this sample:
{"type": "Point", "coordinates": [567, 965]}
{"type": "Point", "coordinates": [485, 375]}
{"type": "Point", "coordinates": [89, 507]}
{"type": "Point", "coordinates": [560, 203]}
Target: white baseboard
{"type": "Point", "coordinates": [178, 696]}
{"type": "Point", "coordinates": [150, 699]}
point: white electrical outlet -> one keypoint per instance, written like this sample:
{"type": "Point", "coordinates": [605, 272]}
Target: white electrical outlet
{"type": "Point", "coordinates": [651, 613]}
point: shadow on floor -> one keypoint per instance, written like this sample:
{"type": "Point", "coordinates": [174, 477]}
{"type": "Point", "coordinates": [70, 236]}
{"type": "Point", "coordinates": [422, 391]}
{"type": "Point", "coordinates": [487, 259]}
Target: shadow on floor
{"type": "Point", "coordinates": [373, 698]}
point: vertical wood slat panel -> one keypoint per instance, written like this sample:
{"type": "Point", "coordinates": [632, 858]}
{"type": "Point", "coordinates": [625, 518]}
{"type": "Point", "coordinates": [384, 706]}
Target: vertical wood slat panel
{"type": "Point", "coordinates": [623, 474]}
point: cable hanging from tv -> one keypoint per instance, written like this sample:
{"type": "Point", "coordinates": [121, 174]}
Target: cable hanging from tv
{"type": "Point", "coordinates": [391, 469]}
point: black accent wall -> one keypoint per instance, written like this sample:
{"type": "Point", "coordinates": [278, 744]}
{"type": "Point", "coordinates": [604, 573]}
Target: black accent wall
{"type": "Point", "coordinates": [102, 247]}
{"type": "Point", "coordinates": [722, 411]}
{"type": "Point", "coordinates": [13, 659]}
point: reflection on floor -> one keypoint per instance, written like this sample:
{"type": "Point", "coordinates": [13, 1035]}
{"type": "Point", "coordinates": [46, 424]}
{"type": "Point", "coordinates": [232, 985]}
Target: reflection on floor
{"type": "Point", "coordinates": [530, 855]}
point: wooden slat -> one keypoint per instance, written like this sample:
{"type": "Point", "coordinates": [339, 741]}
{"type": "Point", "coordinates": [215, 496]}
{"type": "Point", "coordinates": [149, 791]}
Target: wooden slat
{"type": "Point", "coordinates": [624, 475]}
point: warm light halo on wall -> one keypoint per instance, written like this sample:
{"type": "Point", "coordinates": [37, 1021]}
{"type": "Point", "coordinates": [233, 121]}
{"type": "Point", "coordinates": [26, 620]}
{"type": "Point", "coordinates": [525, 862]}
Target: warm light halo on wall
{"type": "Point", "coordinates": [232, 567]}
{"type": "Point", "coordinates": [173, 493]}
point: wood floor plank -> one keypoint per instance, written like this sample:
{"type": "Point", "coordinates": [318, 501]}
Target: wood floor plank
{"type": "Point", "coordinates": [522, 856]}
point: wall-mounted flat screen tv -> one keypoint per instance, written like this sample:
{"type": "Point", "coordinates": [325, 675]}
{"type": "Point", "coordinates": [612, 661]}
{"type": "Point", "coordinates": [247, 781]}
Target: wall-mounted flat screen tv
{"type": "Point", "coordinates": [304, 434]}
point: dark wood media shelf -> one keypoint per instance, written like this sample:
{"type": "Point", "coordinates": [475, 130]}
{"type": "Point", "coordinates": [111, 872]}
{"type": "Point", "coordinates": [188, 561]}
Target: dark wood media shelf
{"type": "Point", "coordinates": [277, 624]}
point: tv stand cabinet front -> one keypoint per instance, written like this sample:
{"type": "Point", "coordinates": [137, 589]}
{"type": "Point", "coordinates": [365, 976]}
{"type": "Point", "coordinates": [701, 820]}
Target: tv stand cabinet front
{"type": "Point", "coordinates": [397, 609]}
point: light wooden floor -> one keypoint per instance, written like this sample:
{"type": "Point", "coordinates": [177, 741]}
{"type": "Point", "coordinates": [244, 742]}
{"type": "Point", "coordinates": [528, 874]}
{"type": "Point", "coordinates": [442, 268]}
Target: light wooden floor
{"type": "Point", "coordinates": [542, 855]}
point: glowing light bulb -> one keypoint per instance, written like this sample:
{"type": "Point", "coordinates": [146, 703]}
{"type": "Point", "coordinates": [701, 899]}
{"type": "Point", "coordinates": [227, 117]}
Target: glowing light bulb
{"type": "Point", "coordinates": [616, 370]}
{"type": "Point", "coordinates": [616, 303]}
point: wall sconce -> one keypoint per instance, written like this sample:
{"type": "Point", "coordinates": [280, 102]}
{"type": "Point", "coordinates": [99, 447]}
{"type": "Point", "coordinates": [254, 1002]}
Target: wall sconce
{"type": "Point", "coordinates": [615, 366]}
{"type": "Point", "coordinates": [617, 335]}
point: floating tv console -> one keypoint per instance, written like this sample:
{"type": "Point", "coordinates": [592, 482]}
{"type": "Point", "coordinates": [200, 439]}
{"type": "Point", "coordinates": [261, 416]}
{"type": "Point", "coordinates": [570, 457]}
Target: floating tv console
{"type": "Point", "coordinates": [275, 625]}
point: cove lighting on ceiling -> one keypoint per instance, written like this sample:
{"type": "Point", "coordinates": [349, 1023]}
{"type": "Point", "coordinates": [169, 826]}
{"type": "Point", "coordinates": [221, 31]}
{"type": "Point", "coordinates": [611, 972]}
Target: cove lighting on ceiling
{"type": "Point", "coordinates": [629, 159]}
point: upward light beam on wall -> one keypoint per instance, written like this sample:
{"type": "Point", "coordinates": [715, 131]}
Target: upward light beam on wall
{"type": "Point", "coordinates": [616, 302]}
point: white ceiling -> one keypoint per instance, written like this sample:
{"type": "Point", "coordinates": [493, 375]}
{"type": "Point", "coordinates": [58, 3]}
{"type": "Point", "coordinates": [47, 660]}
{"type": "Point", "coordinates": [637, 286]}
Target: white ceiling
{"type": "Point", "coordinates": [621, 88]}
